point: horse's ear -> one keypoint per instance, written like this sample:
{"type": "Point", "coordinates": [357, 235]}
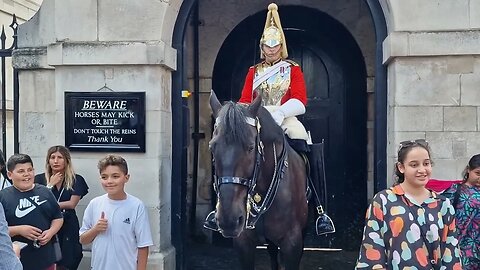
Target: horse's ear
{"type": "Point", "coordinates": [255, 105]}
{"type": "Point", "coordinates": [214, 103]}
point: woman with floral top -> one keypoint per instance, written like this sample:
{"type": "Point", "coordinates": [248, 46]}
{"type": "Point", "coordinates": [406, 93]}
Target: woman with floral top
{"type": "Point", "coordinates": [466, 200]}
{"type": "Point", "coordinates": [408, 226]}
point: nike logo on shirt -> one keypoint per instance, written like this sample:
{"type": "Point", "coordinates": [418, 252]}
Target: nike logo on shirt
{"type": "Point", "coordinates": [27, 205]}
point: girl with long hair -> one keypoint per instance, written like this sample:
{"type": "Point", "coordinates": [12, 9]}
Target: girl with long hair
{"type": "Point", "coordinates": [68, 188]}
{"type": "Point", "coordinates": [408, 226]}
{"type": "Point", "coordinates": [466, 200]}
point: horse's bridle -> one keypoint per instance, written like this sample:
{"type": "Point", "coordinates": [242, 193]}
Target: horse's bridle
{"type": "Point", "coordinates": [254, 211]}
{"type": "Point", "coordinates": [250, 183]}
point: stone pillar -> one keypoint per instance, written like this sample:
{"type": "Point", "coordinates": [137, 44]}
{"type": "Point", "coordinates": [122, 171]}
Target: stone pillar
{"type": "Point", "coordinates": [434, 72]}
{"type": "Point", "coordinates": [85, 45]}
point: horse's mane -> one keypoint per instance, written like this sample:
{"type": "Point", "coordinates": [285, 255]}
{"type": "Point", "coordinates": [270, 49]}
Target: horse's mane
{"type": "Point", "coordinates": [232, 123]}
{"type": "Point", "coordinates": [234, 128]}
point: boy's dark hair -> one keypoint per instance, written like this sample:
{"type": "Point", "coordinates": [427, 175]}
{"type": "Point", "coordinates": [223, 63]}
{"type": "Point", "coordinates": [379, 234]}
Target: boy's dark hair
{"type": "Point", "coordinates": [113, 160]}
{"type": "Point", "coordinates": [18, 159]}
{"type": "Point", "coordinates": [404, 148]}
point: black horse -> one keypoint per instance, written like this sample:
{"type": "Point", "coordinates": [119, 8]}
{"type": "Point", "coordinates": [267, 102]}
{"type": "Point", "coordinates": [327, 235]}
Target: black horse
{"type": "Point", "coordinates": [260, 183]}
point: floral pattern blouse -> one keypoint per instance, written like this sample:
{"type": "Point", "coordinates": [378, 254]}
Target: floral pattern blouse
{"type": "Point", "coordinates": [468, 219]}
{"type": "Point", "coordinates": [393, 240]}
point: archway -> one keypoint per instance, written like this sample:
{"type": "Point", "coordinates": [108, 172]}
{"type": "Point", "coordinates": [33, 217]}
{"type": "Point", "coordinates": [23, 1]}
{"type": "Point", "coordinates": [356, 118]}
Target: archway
{"type": "Point", "coordinates": [179, 128]}
{"type": "Point", "coordinates": [336, 111]}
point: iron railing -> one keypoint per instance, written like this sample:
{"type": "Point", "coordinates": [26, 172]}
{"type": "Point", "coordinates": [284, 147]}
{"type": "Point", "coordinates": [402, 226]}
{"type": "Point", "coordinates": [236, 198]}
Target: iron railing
{"type": "Point", "coordinates": [4, 54]}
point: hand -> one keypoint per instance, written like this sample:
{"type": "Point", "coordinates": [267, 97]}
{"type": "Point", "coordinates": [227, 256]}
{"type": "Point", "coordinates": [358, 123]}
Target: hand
{"type": "Point", "coordinates": [102, 224]}
{"type": "Point", "coordinates": [278, 116]}
{"type": "Point", "coordinates": [30, 232]}
{"type": "Point", "coordinates": [56, 178]}
{"type": "Point", "coordinates": [45, 237]}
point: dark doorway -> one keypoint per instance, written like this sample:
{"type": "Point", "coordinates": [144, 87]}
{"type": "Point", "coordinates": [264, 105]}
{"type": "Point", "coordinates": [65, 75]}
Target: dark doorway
{"type": "Point", "coordinates": [337, 106]}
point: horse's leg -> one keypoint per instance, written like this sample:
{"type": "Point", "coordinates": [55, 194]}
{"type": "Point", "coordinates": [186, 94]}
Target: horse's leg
{"type": "Point", "coordinates": [291, 251]}
{"type": "Point", "coordinates": [273, 252]}
{"type": "Point", "coordinates": [245, 245]}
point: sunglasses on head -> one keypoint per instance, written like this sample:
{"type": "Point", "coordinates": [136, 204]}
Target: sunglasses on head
{"type": "Point", "coordinates": [404, 144]}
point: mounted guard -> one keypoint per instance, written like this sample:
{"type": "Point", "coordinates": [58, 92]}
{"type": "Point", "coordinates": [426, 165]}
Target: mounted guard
{"type": "Point", "coordinates": [281, 85]}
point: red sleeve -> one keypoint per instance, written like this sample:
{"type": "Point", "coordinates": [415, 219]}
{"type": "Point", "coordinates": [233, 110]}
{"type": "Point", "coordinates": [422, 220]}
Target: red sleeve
{"type": "Point", "coordinates": [247, 87]}
{"type": "Point", "coordinates": [297, 86]}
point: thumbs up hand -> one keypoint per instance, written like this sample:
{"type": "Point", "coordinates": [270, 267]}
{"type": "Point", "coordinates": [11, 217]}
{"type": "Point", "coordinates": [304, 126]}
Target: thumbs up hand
{"type": "Point", "coordinates": [102, 224]}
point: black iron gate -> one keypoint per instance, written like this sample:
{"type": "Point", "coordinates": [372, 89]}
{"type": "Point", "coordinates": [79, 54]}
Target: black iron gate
{"type": "Point", "coordinates": [11, 81]}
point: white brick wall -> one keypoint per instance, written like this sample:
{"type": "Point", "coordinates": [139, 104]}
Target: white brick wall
{"type": "Point", "coordinates": [432, 51]}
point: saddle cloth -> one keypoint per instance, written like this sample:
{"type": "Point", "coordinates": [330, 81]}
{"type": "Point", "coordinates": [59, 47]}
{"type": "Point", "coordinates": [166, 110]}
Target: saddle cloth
{"type": "Point", "coordinates": [291, 126]}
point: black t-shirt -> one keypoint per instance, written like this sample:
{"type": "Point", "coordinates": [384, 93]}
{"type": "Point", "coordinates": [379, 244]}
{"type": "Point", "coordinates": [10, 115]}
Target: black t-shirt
{"type": "Point", "coordinates": [36, 207]}
{"type": "Point", "coordinates": [68, 234]}
{"type": "Point", "coordinates": [79, 187]}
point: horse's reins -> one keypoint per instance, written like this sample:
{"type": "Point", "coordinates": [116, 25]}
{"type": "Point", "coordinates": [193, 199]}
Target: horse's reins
{"type": "Point", "coordinates": [256, 211]}
{"type": "Point", "coordinates": [253, 209]}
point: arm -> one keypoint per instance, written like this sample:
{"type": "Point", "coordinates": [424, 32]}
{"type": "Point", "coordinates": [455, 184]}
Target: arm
{"type": "Point", "coordinates": [143, 236]}
{"type": "Point", "coordinates": [142, 258]}
{"type": "Point", "coordinates": [89, 235]}
{"type": "Point", "coordinates": [80, 189]}
{"type": "Point", "coordinates": [8, 257]}
{"type": "Point", "coordinates": [26, 231]}
{"type": "Point", "coordinates": [247, 87]}
{"type": "Point", "coordinates": [293, 103]}
{"type": "Point", "coordinates": [372, 252]}
{"type": "Point", "coordinates": [298, 89]}
{"type": "Point", "coordinates": [449, 248]}
{"type": "Point", "coordinates": [47, 235]}
{"type": "Point", "coordinates": [71, 204]}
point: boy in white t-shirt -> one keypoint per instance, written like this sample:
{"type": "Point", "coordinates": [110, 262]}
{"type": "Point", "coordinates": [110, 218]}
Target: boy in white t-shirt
{"type": "Point", "coordinates": [117, 222]}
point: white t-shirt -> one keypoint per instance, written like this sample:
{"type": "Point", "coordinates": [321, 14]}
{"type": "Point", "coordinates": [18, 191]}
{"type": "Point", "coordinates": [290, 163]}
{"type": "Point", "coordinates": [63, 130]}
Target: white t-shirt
{"type": "Point", "coordinates": [128, 229]}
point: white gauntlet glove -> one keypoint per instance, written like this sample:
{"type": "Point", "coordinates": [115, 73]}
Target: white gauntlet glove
{"type": "Point", "coordinates": [292, 107]}
{"type": "Point", "coordinates": [278, 116]}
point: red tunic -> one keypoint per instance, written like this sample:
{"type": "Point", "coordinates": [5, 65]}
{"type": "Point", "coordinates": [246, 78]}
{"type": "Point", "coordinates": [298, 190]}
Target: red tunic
{"type": "Point", "coordinates": [296, 89]}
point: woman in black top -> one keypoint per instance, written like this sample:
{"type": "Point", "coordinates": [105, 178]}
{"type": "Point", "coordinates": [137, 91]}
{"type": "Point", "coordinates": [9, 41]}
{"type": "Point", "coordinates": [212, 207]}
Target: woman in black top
{"type": "Point", "coordinates": [68, 188]}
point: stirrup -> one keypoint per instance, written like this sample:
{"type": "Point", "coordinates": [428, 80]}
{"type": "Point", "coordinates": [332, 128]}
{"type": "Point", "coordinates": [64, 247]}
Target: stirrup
{"type": "Point", "coordinates": [323, 224]}
{"type": "Point", "coordinates": [211, 222]}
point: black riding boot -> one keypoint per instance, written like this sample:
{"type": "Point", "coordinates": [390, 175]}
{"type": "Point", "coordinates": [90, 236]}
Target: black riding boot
{"type": "Point", "coordinates": [324, 223]}
{"type": "Point", "coordinates": [211, 222]}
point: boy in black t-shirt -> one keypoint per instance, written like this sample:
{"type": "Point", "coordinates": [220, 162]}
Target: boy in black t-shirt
{"type": "Point", "coordinates": [32, 214]}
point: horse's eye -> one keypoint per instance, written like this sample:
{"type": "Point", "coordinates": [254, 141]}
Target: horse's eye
{"type": "Point", "coordinates": [251, 148]}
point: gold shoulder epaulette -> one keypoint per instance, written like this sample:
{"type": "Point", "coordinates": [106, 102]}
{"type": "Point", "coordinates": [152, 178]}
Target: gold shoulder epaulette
{"type": "Point", "coordinates": [293, 63]}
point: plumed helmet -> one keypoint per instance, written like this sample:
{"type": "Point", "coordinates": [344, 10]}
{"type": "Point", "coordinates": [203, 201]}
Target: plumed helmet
{"type": "Point", "coordinates": [273, 32]}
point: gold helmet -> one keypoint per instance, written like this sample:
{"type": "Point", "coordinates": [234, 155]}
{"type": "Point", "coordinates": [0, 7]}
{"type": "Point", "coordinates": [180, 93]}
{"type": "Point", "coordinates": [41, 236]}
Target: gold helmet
{"type": "Point", "coordinates": [273, 32]}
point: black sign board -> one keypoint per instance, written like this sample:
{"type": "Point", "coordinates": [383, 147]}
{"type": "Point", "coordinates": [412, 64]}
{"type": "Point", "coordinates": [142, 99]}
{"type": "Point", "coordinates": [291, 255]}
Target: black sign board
{"type": "Point", "coordinates": [105, 121]}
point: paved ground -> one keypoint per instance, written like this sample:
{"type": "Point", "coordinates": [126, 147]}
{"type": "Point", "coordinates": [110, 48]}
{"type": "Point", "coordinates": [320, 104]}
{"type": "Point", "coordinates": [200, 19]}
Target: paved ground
{"type": "Point", "coordinates": [210, 257]}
